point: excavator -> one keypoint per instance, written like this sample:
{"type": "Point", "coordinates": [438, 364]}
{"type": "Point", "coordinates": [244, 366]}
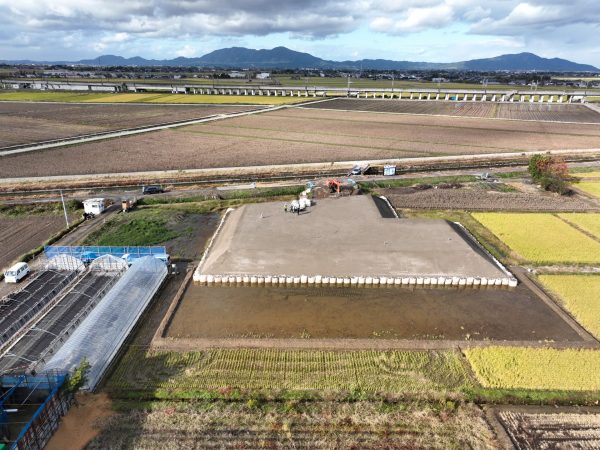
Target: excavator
{"type": "Point", "coordinates": [334, 186]}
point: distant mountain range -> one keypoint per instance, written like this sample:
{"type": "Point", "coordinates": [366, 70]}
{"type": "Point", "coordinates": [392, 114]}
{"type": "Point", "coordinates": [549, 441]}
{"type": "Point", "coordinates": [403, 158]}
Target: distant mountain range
{"type": "Point", "coordinates": [284, 58]}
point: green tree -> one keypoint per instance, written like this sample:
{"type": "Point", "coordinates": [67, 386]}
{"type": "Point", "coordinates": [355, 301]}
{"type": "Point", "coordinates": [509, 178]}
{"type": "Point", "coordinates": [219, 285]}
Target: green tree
{"type": "Point", "coordinates": [78, 378]}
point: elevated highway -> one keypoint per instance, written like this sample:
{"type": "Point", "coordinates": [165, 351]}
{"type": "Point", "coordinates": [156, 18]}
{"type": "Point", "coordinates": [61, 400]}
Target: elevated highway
{"type": "Point", "coordinates": [440, 94]}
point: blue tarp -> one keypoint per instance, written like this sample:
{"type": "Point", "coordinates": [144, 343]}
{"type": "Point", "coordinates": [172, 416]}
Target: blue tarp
{"type": "Point", "coordinates": [89, 253]}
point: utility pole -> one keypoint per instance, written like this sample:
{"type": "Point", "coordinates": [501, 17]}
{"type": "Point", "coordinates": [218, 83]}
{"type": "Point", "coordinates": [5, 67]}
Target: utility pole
{"type": "Point", "coordinates": [62, 199]}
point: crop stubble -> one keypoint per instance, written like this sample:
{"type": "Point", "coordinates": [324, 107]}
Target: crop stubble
{"type": "Point", "coordinates": [22, 123]}
{"type": "Point", "coordinates": [520, 111]}
{"type": "Point", "coordinates": [300, 136]}
{"type": "Point", "coordinates": [479, 199]}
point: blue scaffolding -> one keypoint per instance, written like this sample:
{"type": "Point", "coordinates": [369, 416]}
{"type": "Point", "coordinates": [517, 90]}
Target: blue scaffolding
{"type": "Point", "coordinates": [39, 400]}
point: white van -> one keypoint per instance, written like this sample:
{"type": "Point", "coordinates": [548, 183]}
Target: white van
{"type": "Point", "coordinates": [16, 273]}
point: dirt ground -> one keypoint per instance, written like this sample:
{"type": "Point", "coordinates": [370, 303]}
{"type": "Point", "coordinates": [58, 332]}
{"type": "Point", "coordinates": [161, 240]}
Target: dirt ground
{"type": "Point", "coordinates": [341, 237]}
{"type": "Point", "coordinates": [195, 230]}
{"type": "Point", "coordinates": [531, 427]}
{"type": "Point", "coordinates": [79, 426]}
{"type": "Point", "coordinates": [521, 111]}
{"type": "Point", "coordinates": [482, 198]}
{"type": "Point", "coordinates": [22, 123]}
{"type": "Point", "coordinates": [18, 235]}
{"type": "Point", "coordinates": [301, 136]}
{"type": "Point", "coordinates": [344, 313]}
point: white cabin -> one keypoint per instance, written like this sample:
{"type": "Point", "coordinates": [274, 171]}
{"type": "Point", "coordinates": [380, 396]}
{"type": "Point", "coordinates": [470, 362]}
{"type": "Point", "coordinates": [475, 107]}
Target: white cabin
{"type": "Point", "coordinates": [94, 206]}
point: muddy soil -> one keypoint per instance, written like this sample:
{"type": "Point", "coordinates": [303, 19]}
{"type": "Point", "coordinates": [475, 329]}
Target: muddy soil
{"type": "Point", "coordinates": [400, 313]}
{"type": "Point", "coordinates": [79, 426]}
{"type": "Point", "coordinates": [194, 232]}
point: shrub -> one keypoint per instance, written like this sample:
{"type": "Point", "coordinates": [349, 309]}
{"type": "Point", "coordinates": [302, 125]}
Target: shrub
{"type": "Point", "coordinates": [551, 172]}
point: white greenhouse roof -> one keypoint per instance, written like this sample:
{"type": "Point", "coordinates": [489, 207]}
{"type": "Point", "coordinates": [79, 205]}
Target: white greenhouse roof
{"type": "Point", "coordinates": [101, 335]}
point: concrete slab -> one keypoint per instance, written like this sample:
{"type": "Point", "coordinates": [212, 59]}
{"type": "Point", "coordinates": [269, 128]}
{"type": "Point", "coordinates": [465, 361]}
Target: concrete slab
{"type": "Point", "coordinates": [343, 237]}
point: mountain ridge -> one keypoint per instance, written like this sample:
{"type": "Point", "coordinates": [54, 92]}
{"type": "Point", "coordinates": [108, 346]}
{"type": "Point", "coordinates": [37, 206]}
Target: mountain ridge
{"type": "Point", "coordinates": [284, 58]}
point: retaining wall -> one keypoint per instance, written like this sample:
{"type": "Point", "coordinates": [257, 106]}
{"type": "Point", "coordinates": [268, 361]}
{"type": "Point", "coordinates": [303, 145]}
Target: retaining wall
{"type": "Point", "coordinates": [368, 281]}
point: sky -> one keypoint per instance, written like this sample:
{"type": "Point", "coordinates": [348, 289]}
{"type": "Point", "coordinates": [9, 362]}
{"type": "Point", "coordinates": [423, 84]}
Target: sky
{"type": "Point", "coordinates": [415, 30]}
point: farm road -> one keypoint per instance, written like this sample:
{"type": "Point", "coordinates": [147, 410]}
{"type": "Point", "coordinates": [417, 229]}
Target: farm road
{"type": "Point", "coordinates": [481, 161]}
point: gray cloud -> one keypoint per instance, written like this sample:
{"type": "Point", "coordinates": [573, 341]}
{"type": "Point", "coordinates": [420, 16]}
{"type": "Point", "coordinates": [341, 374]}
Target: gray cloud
{"type": "Point", "coordinates": [170, 18]}
{"type": "Point", "coordinates": [112, 25]}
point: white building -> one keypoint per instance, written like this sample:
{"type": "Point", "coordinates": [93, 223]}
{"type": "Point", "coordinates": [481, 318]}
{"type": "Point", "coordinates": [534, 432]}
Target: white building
{"type": "Point", "coordinates": [237, 74]}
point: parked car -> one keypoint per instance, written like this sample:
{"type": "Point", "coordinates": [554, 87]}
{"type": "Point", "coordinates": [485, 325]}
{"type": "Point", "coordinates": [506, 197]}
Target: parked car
{"type": "Point", "coordinates": [16, 273]}
{"type": "Point", "coordinates": [154, 189]}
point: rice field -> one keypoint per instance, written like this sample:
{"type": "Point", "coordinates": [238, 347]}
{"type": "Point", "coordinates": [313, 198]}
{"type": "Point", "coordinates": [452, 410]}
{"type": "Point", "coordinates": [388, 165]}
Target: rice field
{"type": "Point", "coordinates": [69, 97]}
{"type": "Point", "coordinates": [541, 238]}
{"type": "Point", "coordinates": [536, 368]}
{"type": "Point", "coordinates": [580, 295]}
{"type": "Point", "coordinates": [587, 222]}
{"type": "Point", "coordinates": [595, 174]}
{"type": "Point", "coordinates": [172, 374]}
{"type": "Point", "coordinates": [590, 187]}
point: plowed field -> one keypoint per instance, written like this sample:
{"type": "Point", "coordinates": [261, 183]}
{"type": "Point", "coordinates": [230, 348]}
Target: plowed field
{"type": "Point", "coordinates": [20, 235]}
{"type": "Point", "coordinates": [520, 111]}
{"type": "Point", "coordinates": [480, 199]}
{"type": "Point", "coordinates": [22, 123]}
{"type": "Point", "coordinates": [301, 136]}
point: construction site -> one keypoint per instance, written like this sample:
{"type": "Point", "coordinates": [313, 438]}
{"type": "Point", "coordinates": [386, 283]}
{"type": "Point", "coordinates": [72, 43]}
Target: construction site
{"type": "Point", "coordinates": [343, 241]}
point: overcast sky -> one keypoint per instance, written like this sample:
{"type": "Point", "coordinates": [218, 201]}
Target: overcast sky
{"type": "Point", "coordinates": [418, 30]}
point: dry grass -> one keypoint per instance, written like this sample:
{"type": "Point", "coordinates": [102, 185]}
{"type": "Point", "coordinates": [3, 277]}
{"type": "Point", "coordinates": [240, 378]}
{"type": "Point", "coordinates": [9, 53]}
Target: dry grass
{"type": "Point", "coordinates": [318, 425]}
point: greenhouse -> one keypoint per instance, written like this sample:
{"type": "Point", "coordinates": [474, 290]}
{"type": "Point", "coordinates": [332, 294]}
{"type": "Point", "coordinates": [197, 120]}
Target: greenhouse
{"type": "Point", "coordinates": [103, 332]}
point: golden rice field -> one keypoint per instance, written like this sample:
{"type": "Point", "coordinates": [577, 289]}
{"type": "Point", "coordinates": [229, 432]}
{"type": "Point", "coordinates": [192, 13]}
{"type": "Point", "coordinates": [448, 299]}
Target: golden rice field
{"type": "Point", "coordinates": [590, 187]}
{"type": "Point", "coordinates": [587, 222]}
{"type": "Point", "coordinates": [580, 295]}
{"type": "Point", "coordinates": [536, 368]}
{"type": "Point", "coordinates": [595, 174]}
{"type": "Point", "coordinates": [541, 238]}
